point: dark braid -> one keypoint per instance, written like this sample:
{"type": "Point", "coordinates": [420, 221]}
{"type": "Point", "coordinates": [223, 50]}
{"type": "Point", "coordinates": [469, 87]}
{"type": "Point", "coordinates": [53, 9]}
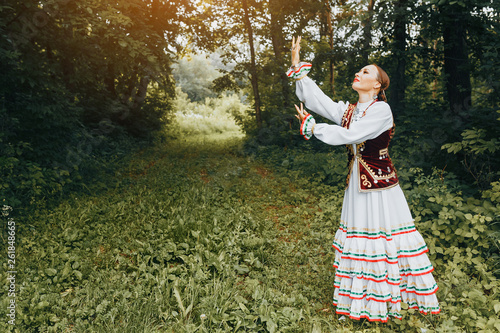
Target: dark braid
{"type": "Point", "coordinates": [384, 80]}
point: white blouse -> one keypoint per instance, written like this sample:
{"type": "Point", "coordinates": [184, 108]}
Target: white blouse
{"type": "Point", "coordinates": [377, 120]}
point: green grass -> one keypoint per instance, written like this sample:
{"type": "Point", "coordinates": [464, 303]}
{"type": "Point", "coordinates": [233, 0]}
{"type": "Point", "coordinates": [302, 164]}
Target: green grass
{"type": "Point", "coordinates": [196, 237]}
{"type": "Point", "coordinates": [189, 234]}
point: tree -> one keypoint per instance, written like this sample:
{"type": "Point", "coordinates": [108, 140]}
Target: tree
{"type": "Point", "coordinates": [75, 72]}
{"type": "Point", "coordinates": [326, 31]}
{"type": "Point", "coordinates": [276, 28]}
{"type": "Point", "coordinates": [232, 32]}
{"type": "Point", "coordinates": [455, 18]}
{"type": "Point", "coordinates": [367, 32]}
{"type": "Point", "coordinates": [399, 55]}
{"type": "Point", "coordinates": [253, 66]}
{"type": "Point", "coordinates": [195, 75]}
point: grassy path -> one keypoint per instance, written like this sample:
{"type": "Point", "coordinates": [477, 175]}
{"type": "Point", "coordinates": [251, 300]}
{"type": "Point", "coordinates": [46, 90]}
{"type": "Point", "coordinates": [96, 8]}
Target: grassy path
{"type": "Point", "coordinates": [195, 237]}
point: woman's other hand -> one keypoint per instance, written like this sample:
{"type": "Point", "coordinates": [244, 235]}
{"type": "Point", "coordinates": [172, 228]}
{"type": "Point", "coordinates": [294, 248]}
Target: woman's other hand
{"type": "Point", "coordinates": [301, 112]}
{"type": "Point", "coordinates": [295, 50]}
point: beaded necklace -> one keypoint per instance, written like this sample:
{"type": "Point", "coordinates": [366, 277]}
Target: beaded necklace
{"type": "Point", "coordinates": [357, 112]}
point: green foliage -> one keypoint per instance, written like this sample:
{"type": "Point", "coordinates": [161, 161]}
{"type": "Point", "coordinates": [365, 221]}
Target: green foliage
{"type": "Point", "coordinates": [201, 237]}
{"type": "Point", "coordinates": [99, 267]}
{"type": "Point", "coordinates": [195, 75]}
{"type": "Point", "coordinates": [221, 115]}
{"type": "Point", "coordinates": [480, 155]}
{"type": "Point", "coordinates": [319, 163]}
{"type": "Point", "coordinates": [209, 238]}
{"type": "Point", "coordinates": [349, 34]}
{"type": "Point", "coordinates": [465, 246]}
{"type": "Point", "coordinates": [461, 232]}
{"type": "Point", "coordinates": [77, 79]}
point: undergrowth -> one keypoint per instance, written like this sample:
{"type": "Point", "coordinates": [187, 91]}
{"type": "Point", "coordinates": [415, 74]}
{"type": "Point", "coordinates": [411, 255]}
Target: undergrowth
{"type": "Point", "coordinates": [199, 236]}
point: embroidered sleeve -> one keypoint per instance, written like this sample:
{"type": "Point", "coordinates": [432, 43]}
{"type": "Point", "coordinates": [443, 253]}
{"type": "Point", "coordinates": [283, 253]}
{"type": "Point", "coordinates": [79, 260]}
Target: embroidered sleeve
{"type": "Point", "coordinates": [300, 71]}
{"type": "Point", "coordinates": [318, 102]}
{"type": "Point", "coordinates": [307, 125]}
{"type": "Point", "coordinates": [377, 120]}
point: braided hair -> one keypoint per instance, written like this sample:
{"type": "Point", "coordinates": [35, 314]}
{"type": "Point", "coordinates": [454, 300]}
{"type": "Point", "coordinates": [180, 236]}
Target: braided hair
{"type": "Point", "coordinates": [384, 80]}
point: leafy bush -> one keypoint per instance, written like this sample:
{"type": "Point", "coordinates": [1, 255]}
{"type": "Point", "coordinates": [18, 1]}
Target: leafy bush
{"type": "Point", "coordinates": [144, 252]}
{"type": "Point", "coordinates": [463, 239]}
{"type": "Point", "coordinates": [215, 115]}
{"type": "Point", "coordinates": [480, 155]}
{"type": "Point", "coordinates": [67, 94]}
{"type": "Point", "coordinates": [202, 237]}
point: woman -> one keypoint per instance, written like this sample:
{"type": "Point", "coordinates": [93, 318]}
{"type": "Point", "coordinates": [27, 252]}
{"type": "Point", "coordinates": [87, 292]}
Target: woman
{"type": "Point", "coordinates": [380, 258]}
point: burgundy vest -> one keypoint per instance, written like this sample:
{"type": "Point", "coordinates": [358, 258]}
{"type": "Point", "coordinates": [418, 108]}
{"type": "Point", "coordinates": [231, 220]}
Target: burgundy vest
{"type": "Point", "coordinates": [376, 171]}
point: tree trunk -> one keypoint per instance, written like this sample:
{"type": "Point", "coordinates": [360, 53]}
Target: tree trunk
{"type": "Point", "coordinates": [253, 66]}
{"type": "Point", "coordinates": [326, 31]}
{"type": "Point", "coordinates": [435, 82]}
{"type": "Point", "coordinates": [329, 28]}
{"type": "Point", "coordinates": [367, 33]}
{"type": "Point", "coordinates": [398, 84]}
{"type": "Point", "coordinates": [456, 61]}
{"type": "Point", "coordinates": [277, 19]}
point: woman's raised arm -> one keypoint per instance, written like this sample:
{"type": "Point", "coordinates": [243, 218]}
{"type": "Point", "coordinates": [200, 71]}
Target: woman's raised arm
{"type": "Point", "coordinates": [308, 92]}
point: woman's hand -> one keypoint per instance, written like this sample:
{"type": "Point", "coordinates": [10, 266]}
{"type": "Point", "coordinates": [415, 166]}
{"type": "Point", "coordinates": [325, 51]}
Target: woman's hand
{"type": "Point", "coordinates": [301, 112]}
{"type": "Point", "coordinates": [295, 51]}
{"type": "Point", "coordinates": [307, 128]}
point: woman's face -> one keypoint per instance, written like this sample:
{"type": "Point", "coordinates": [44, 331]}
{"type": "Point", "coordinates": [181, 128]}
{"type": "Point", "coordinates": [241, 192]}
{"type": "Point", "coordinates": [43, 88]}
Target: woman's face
{"type": "Point", "coordinates": [366, 79]}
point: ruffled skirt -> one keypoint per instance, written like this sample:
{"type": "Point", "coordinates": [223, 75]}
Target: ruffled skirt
{"type": "Point", "coordinates": [380, 257]}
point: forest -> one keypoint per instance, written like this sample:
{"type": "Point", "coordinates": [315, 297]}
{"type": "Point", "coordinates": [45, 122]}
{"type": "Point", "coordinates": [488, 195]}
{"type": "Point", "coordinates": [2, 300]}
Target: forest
{"type": "Point", "coordinates": [152, 162]}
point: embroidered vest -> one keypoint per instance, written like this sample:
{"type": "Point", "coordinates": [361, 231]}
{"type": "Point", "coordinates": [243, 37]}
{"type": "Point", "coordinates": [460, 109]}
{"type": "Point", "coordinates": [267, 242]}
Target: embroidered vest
{"type": "Point", "coordinates": [375, 168]}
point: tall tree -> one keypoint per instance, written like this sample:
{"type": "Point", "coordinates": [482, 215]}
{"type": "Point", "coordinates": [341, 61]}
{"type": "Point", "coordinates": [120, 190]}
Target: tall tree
{"type": "Point", "coordinates": [455, 18]}
{"type": "Point", "coordinates": [276, 31]}
{"type": "Point", "coordinates": [398, 84]}
{"type": "Point", "coordinates": [326, 31]}
{"type": "Point", "coordinates": [367, 32]}
{"type": "Point", "coordinates": [253, 66]}
{"type": "Point", "coordinates": [231, 30]}
{"type": "Point", "coordinates": [70, 67]}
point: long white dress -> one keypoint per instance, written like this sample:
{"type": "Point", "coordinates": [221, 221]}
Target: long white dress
{"type": "Point", "coordinates": [380, 258]}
